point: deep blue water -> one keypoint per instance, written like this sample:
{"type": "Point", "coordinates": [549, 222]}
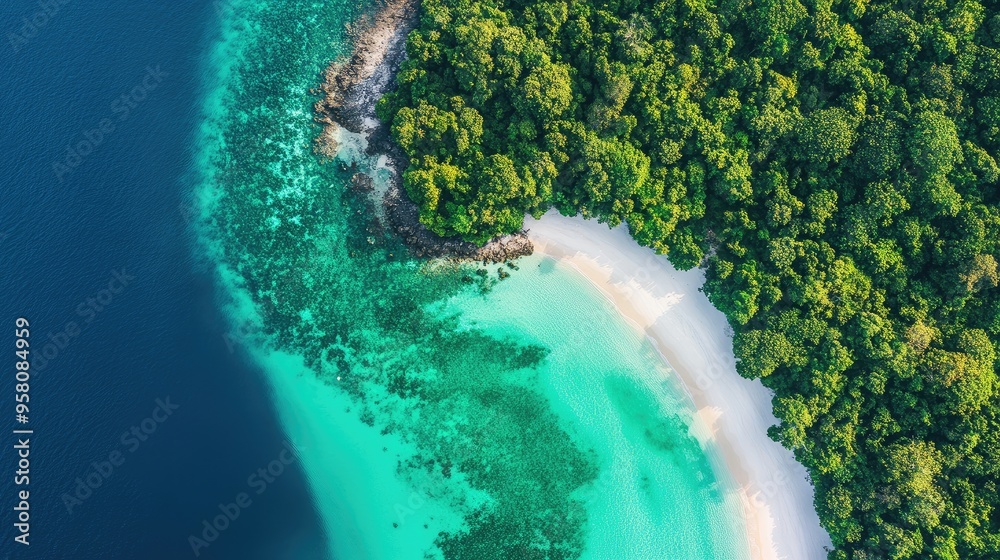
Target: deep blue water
{"type": "Point", "coordinates": [63, 231]}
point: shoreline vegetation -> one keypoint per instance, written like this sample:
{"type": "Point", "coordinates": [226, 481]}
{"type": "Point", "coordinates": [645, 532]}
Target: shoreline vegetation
{"type": "Point", "coordinates": [350, 90]}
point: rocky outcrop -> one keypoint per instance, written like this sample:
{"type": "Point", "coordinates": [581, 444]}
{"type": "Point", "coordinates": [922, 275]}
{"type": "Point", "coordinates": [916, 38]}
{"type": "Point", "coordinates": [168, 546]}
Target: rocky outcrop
{"type": "Point", "coordinates": [403, 217]}
{"type": "Point", "coordinates": [351, 88]}
{"type": "Point", "coordinates": [362, 183]}
{"type": "Point", "coordinates": [350, 91]}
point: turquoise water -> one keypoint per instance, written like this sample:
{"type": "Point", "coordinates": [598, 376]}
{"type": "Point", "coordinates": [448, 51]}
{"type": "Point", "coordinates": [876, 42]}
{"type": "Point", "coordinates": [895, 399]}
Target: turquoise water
{"type": "Point", "coordinates": [438, 413]}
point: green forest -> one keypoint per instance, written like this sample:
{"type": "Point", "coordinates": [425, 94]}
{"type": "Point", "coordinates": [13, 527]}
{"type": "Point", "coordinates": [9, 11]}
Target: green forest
{"type": "Point", "coordinates": [833, 165]}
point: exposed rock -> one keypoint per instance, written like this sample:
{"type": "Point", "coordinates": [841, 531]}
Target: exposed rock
{"type": "Point", "coordinates": [362, 183]}
{"type": "Point", "coordinates": [403, 217]}
{"type": "Point", "coordinates": [351, 88]}
{"type": "Point", "coordinates": [350, 91]}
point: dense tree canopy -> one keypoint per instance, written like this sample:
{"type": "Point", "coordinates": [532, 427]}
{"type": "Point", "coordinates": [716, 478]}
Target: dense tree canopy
{"type": "Point", "coordinates": [837, 161]}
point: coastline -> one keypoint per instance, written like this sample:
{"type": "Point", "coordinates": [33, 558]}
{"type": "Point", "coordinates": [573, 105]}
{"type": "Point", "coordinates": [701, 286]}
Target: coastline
{"type": "Point", "coordinates": [664, 304]}
{"type": "Point", "coordinates": [346, 112]}
{"type": "Point", "coordinates": [694, 338]}
{"type": "Point", "coordinates": [352, 87]}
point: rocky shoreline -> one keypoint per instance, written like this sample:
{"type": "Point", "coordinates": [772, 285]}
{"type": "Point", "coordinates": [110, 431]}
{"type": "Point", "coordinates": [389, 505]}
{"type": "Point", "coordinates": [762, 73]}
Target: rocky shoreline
{"type": "Point", "coordinates": [351, 88]}
{"type": "Point", "coordinates": [402, 217]}
{"type": "Point", "coordinates": [350, 91]}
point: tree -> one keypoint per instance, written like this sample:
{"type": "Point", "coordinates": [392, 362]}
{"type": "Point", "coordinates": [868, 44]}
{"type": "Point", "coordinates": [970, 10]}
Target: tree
{"type": "Point", "coordinates": [933, 143]}
{"type": "Point", "coordinates": [826, 135]}
{"type": "Point", "coordinates": [880, 149]}
{"type": "Point", "coordinates": [761, 352]}
{"type": "Point", "coordinates": [547, 92]}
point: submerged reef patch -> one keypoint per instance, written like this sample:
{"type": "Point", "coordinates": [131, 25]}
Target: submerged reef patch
{"type": "Point", "coordinates": [329, 283]}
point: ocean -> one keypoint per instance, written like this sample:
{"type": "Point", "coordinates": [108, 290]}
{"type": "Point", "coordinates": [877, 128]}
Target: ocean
{"type": "Point", "coordinates": [124, 209]}
{"type": "Point", "coordinates": [276, 351]}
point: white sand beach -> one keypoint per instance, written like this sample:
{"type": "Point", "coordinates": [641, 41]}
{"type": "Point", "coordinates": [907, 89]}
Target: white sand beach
{"type": "Point", "coordinates": [696, 341]}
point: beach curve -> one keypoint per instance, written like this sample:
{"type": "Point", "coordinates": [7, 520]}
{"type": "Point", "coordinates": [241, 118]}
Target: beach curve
{"type": "Point", "coordinates": [694, 338]}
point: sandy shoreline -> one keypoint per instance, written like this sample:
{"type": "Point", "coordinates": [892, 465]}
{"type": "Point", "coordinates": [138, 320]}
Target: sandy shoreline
{"type": "Point", "coordinates": [663, 303]}
{"type": "Point", "coordinates": [695, 340]}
